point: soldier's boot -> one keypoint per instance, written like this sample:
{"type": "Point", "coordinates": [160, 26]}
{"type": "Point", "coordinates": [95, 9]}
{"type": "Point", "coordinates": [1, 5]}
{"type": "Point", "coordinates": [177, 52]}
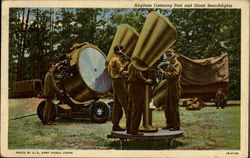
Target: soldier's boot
{"type": "Point", "coordinates": [166, 127]}
{"type": "Point", "coordinates": [175, 129]}
{"type": "Point", "coordinates": [136, 133]}
{"type": "Point", "coordinates": [117, 128]}
{"type": "Point", "coordinates": [48, 123]}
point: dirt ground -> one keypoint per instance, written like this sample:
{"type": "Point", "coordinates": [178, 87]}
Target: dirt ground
{"type": "Point", "coordinates": [206, 129]}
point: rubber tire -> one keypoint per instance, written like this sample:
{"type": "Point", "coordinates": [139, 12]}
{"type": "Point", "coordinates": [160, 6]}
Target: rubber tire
{"type": "Point", "coordinates": [40, 110]}
{"type": "Point", "coordinates": [103, 116]}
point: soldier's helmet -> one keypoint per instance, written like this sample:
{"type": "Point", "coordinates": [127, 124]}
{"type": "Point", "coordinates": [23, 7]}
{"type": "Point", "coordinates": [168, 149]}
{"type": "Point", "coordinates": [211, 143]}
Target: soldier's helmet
{"type": "Point", "coordinates": [119, 49]}
{"type": "Point", "coordinates": [169, 54]}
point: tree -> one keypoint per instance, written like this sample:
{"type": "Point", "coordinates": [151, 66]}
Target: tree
{"type": "Point", "coordinates": [66, 27]}
{"type": "Point", "coordinates": [210, 32]}
{"type": "Point", "coordinates": [14, 44]}
{"type": "Point", "coordinates": [22, 43]}
{"type": "Point", "coordinates": [40, 35]}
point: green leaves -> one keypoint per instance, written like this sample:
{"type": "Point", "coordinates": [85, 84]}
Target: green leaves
{"type": "Point", "coordinates": [51, 32]}
{"type": "Point", "coordinates": [205, 33]}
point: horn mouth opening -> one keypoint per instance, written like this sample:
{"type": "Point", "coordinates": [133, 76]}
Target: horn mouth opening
{"type": "Point", "coordinates": [166, 20]}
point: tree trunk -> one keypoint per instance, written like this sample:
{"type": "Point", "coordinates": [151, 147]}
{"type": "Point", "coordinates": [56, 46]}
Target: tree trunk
{"type": "Point", "coordinates": [22, 45]}
{"type": "Point", "coordinates": [51, 28]}
{"type": "Point", "coordinates": [40, 46]}
{"type": "Point", "coordinates": [36, 66]}
{"type": "Point", "coordinates": [21, 55]}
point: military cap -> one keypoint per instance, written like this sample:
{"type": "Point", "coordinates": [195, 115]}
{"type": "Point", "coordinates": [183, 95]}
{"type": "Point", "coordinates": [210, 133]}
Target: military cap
{"type": "Point", "coordinates": [169, 54]}
{"type": "Point", "coordinates": [170, 50]}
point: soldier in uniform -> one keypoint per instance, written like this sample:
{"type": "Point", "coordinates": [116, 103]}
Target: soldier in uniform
{"type": "Point", "coordinates": [173, 75]}
{"type": "Point", "coordinates": [50, 91]}
{"type": "Point", "coordinates": [220, 99]}
{"type": "Point", "coordinates": [136, 92]}
{"type": "Point", "coordinates": [117, 73]}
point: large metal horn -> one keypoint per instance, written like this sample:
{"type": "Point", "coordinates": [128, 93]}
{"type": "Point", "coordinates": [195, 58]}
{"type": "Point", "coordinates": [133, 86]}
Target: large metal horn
{"type": "Point", "coordinates": [127, 36]}
{"type": "Point", "coordinates": [157, 35]}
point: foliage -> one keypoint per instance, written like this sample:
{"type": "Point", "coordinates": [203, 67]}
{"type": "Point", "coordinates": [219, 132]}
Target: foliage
{"type": "Point", "coordinates": [204, 33]}
{"type": "Point", "coordinates": [51, 32]}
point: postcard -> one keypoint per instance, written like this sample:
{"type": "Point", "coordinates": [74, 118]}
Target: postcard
{"type": "Point", "coordinates": [106, 78]}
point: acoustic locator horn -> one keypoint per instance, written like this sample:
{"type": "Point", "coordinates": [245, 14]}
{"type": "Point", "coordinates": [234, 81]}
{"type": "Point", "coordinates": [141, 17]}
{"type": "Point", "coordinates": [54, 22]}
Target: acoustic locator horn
{"type": "Point", "coordinates": [157, 35]}
{"type": "Point", "coordinates": [126, 36]}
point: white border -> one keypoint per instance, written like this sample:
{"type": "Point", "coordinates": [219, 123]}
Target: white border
{"type": "Point", "coordinates": [243, 5]}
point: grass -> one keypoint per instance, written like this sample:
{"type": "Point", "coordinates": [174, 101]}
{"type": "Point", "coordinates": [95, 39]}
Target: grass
{"type": "Point", "coordinates": [207, 129]}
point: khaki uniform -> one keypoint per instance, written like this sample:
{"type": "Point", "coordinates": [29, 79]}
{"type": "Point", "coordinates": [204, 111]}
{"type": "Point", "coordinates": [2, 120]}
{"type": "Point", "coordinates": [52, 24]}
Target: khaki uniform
{"type": "Point", "coordinates": [173, 75]}
{"type": "Point", "coordinates": [220, 99]}
{"type": "Point", "coordinates": [115, 69]}
{"type": "Point", "coordinates": [50, 90]}
{"type": "Point", "coordinates": [136, 93]}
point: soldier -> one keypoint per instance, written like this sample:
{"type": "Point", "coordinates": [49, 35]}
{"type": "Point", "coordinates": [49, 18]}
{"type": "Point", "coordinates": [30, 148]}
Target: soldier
{"type": "Point", "coordinates": [117, 73]}
{"type": "Point", "coordinates": [173, 74]}
{"type": "Point", "coordinates": [136, 92]}
{"type": "Point", "coordinates": [50, 90]}
{"type": "Point", "coordinates": [220, 99]}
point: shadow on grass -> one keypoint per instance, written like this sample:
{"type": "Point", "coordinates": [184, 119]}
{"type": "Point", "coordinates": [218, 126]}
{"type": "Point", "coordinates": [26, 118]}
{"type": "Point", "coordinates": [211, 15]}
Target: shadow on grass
{"type": "Point", "coordinates": [145, 144]}
{"type": "Point", "coordinates": [69, 121]}
{"type": "Point", "coordinates": [62, 121]}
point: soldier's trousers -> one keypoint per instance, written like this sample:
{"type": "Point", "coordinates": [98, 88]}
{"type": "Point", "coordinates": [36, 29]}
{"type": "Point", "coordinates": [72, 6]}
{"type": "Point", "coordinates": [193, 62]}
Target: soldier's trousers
{"type": "Point", "coordinates": [136, 93]}
{"type": "Point", "coordinates": [47, 109]}
{"type": "Point", "coordinates": [172, 113]}
{"type": "Point", "coordinates": [120, 100]}
{"type": "Point", "coordinates": [221, 103]}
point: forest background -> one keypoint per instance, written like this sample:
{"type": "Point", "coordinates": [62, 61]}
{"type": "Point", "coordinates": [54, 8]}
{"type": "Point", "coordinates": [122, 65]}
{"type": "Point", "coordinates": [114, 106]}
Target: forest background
{"type": "Point", "coordinates": [38, 36]}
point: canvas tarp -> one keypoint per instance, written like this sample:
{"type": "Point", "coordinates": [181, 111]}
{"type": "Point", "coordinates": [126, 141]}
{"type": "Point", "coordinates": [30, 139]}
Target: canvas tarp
{"type": "Point", "coordinates": [204, 71]}
{"type": "Point", "coordinates": [198, 72]}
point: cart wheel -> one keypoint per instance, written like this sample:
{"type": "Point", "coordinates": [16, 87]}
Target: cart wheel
{"type": "Point", "coordinates": [40, 110]}
{"type": "Point", "coordinates": [99, 112]}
